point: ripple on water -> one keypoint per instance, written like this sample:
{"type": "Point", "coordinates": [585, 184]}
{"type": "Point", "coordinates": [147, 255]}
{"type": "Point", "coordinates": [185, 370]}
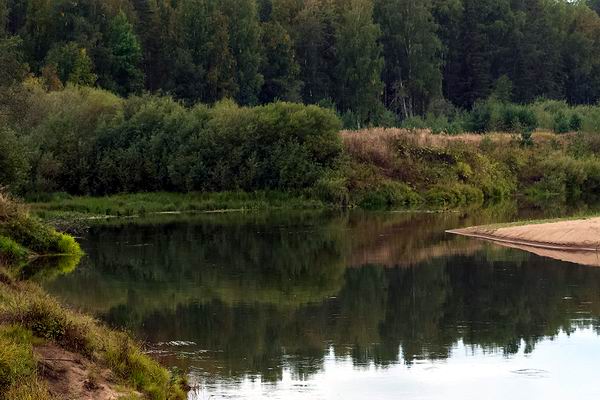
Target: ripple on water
{"type": "Point", "coordinates": [532, 373]}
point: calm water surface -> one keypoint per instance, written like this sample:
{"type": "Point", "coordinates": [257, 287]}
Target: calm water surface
{"type": "Point", "coordinates": [344, 306]}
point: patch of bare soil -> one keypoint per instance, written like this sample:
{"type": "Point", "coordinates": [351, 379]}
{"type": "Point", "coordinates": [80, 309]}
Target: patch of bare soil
{"type": "Point", "coordinates": [70, 376]}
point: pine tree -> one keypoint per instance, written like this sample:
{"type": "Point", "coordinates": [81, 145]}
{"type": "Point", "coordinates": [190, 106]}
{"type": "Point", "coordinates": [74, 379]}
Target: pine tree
{"type": "Point", "coordinates": [314, 36]}
{"type": "Point", "coordinates": [244, 42]}
{"type": "Point", "coordinates": [125, 57]}
{"type": "Point", "coordinates": [3, 18]}
{"type": "Point", "coordinates": [279, 67]}
{"type": "Point", "coordinates": [71, 63]}
{"type": "Point", "coordinates": [359, 67]}
{"type": "Point", "coordinates": [205, 66]}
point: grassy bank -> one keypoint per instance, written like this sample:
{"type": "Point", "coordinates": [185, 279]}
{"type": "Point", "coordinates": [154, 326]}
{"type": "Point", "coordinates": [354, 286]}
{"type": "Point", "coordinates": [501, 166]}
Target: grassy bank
{"type": "Point", "coordinates": [34, 326]}
{"type": "Point", "coordinates": [392, 168]}
{"type": "Point", "coordinates": [396, 166]}
{"type": "Point", "coordinates": [50, 205]}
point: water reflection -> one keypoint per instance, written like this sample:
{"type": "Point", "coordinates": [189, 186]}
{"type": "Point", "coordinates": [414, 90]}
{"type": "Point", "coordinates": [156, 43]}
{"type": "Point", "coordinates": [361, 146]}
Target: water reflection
{"type": "Point", "coordinates": [241, 299]}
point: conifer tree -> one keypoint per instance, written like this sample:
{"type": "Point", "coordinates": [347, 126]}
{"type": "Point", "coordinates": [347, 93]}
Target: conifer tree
{"type": "Point", "coordinates": [359, 67]}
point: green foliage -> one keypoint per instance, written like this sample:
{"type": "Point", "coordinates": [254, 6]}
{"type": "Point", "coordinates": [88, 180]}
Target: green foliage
{"type": "Point", "coordinates": [332, 189]}
{"type": "Point", "coordinates": [563, 177]}
{"type": "Point", "coordinates": [360, 63]}
{"type": "Point", "coordinates": [91, 142]}
{"type": "Point", "coordinates": [503, 89]}
{"type": "Point", "coordinates": [244, 42]}
{"type": "Point", "coordinates": [280, 68]}
{"type": "Point", "coordinates": [11, 252]}
{"type": "Point", "coordinates": [365, 55]}
{"type": "Point", "coordinates": [12, 64]}
{"type": "Point", "coordinates": [561, 123]}
{"type": "Point", "coordinates": [72, 64]}
{"type": "Point", "coordinates": [492, 115]}
{"type": "Point", "coordinates": [13, 160]}
{"type": "Point", "coordinates": [412, 53]}
{"type": "Point", "coordinates": [575, 122]}
{"type": "Point", "coordinates": [124, 58]}
{"type": "Point", "coordinates": [389, 194]}
{"type": "Point", "coordinates": [17, 362]}
{"type": "Point", "coordinates": [447, 196]}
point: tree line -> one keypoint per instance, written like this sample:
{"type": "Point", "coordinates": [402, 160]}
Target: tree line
{"type": "Point", "coordinates": [375, 61]}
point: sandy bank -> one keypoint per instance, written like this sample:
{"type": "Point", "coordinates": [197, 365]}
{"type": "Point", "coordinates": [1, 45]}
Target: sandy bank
{"type": "Point", "coordinates": [576, 235]}
{"type": "Point", "coordinates": [575, 241]}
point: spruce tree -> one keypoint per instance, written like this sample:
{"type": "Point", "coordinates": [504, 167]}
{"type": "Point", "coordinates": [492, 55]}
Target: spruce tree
{"type": "Point", "coordinates": [359, 66]}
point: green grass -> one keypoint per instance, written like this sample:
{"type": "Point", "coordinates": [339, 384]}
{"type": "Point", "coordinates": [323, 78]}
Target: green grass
{"type": "Point", "coordinates": [18, 367]}
{"type": "Point", "coordinates": [31, 315]}
{"type": "Point", "coordinates": [22, 234]}
{"type": "Point", "coordinates": [136, 204]}
{"type": "Point", "coordinates": [11, 252]}
{"type": "Point", "coordinates": [27, 313]}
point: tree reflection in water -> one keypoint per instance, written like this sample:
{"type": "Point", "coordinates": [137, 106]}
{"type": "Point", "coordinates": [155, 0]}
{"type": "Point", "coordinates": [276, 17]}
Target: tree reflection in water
{"type": "Point", "coordinates": [252, 295]}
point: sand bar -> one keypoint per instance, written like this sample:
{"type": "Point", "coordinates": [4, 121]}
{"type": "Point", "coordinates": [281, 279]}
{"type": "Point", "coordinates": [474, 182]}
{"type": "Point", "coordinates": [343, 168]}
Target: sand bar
{"type": "Point", "coordinates": [575, 241]}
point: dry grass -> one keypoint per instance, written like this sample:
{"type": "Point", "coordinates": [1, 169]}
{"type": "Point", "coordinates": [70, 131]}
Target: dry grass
{"type": "Point", "coordinates": [9, 209]}
{"type": "Point", "coordinates": [378, 145]}
{"type": "Point", "coordinates": [25, 305]}
{"type": "Point", "coordinates": [374, 138]}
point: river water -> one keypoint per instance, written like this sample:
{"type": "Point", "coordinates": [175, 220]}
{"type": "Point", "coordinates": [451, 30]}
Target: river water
{"type": "Point", "coordinates": [351, 305]}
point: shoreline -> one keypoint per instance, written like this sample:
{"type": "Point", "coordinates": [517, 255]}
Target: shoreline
{"type": "Point", "coordinates": [51, 351]}
{"type": "Point", "coordinates": [576, 241]}
{"type": "Point", "coordinates": [515, 242]}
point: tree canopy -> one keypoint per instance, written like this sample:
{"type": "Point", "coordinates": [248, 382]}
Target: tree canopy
{"type": "Point", "coordinates": [359, 56]}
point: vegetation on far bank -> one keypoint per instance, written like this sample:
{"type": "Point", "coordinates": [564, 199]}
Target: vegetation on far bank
{"type": "Point", "coordinates": [29, 318]}
{"type": "Point", "coordinates": [88, 142]}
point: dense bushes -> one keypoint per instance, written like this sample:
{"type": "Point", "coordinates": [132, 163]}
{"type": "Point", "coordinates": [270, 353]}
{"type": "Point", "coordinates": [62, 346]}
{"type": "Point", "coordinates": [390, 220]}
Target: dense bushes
{"type": "Point", "coordinates": [87, 141]}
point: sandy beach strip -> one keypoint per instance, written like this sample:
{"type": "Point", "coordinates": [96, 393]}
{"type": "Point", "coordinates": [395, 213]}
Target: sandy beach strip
{"type": "Point", "coordinates": [575, 241]}
{"type": "Point", "coordinates": [569, 235]}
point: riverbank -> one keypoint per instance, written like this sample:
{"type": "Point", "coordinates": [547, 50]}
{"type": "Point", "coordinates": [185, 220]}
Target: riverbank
{"type": "Point", "coordinates": [575, 240]}
{"type": "Point", "coordinates": [48, 351]}
{"type": "Point", "coordinates": [387, 168]}
{"type": "Point", "coordinates": [281, 155]}
{"type": "Point", "coordinates": [565, 235]}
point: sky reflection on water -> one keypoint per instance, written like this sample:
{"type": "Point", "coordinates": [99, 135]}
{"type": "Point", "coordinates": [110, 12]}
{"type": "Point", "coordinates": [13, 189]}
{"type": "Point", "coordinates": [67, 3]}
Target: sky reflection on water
{"type": "Point", "coordinates": [351, 306]}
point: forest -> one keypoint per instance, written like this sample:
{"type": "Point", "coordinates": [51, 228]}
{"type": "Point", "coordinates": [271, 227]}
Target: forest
{"type": "Point", "coordinates": [250, 96]}
{"type": "Point", "coordinates": [377, 62]}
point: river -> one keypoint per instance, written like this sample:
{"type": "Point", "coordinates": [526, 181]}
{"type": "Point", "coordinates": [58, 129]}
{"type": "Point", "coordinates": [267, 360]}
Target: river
{"type": "Point", "coordinates": [354, 305]}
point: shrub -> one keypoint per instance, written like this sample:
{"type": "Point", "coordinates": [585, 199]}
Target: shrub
{"type": "Point", "coordinates": [333, 190]}
{"type": "Point", "coordinates": [389, 194]}
{"type": "Point", "coordinates": [87, 141]}
{"type": "Point", "coordinates": [445, 196]}
{"type": "Point", "coordinates": [561, 123]}
{"type": "Point", "coordinates": [576, 122]}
